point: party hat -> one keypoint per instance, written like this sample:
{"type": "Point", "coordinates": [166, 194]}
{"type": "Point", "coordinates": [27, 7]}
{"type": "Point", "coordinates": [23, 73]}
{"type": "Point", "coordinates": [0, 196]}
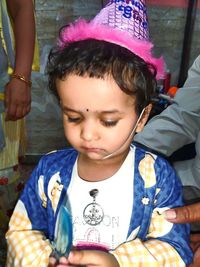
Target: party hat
{"type": "Point", "coordinates": [122, 22]}
{"type": "Point", "coordinates": [128, 16]}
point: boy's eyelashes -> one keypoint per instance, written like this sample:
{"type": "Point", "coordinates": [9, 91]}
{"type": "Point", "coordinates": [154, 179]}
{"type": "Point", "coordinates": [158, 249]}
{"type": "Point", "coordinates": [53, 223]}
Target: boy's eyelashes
{"type": "Point", "coordinates": [107, 123]}
{"type": "Point", "coordinates": [74, 120]}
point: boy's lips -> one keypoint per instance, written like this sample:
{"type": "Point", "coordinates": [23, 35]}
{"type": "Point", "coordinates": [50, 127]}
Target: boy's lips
{"type": "Point", "coordinates": [92, 149]}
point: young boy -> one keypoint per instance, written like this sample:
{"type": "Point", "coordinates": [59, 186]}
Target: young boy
{"type": "Point", "coordinates": [116, 191]}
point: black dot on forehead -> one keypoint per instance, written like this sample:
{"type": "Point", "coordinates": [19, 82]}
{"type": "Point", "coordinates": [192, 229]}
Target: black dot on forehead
{"type": "Point", "coordinates": [87, 109]}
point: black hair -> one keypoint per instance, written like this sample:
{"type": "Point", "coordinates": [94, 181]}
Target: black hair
{"type": "Point", "coordinates": [94, 58]}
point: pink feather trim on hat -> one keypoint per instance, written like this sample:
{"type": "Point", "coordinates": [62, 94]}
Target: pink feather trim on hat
{"type": "Point", "coordinates": [82, 30]}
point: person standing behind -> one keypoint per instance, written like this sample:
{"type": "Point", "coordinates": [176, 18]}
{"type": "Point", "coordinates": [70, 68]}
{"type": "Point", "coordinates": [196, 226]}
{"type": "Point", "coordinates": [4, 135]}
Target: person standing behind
{"type": "Point", "coordinates": [179, 123]}
{"type": "Point", "coordinates": [17, 44]}
{"type": "Point", "coordinates": [175, 127]}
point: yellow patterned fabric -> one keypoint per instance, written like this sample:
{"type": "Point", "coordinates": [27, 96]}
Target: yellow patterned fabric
{"type": "Point", "coordinates": [159, 226]}
{"type": "Point", "coordinates": [32, 250]}
{"type": "Point", "coordinates": [147, 171]}
{"type": "Point", "coordinates": [152, 253]}
{"type": "Point", "coordinates": [26, 247]}
{"type": "Point", "coordinates": [15, 139]}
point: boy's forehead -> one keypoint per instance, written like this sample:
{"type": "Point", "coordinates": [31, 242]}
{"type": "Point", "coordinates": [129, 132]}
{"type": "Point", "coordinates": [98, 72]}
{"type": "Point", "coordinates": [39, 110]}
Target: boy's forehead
{"type": "Point", "coordinates": [93, 94]}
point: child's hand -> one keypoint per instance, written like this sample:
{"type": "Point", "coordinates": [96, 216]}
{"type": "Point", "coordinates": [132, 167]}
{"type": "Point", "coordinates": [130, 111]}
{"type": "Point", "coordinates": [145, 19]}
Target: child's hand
{"type": "Point", "coordinates": [92, 258]}
{"type": "Point", "coordinates": [86, 258]}
{"type": "Point", "coordinates": [62, 262]}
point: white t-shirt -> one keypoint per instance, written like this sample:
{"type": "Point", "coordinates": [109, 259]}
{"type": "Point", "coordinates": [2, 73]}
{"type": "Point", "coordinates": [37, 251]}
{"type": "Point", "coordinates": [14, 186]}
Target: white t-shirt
{"type": "Point", "coordinates": [113, 203]}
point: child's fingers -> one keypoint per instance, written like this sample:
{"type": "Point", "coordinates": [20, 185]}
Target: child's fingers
{"type": "Point", "coordinates": [92, 258]}
{"type": "Point", "coordinates": [82, 257]}
{"type": "Point", "coordinates": [52, 262]}
{"type": "Point", "coordinates": [63, 260]}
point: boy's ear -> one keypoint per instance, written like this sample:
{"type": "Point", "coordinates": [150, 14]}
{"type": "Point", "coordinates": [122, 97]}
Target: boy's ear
{"type": "Point", "coordinates": [144, 118]}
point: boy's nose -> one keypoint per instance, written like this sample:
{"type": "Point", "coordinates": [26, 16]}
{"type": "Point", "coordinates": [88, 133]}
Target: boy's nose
{"type": "Point", "coordinates": [89, 132]}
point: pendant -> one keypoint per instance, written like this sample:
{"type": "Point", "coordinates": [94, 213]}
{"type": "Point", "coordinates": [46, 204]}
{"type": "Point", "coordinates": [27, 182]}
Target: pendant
{"type": "Point", "coordinates": [93, 213]}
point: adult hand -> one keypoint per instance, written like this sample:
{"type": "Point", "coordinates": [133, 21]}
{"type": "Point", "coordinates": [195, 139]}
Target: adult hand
{"type": "Point", "coordinates": [17, 99]}
{"type": "Point", "coordinates": [188, 214]}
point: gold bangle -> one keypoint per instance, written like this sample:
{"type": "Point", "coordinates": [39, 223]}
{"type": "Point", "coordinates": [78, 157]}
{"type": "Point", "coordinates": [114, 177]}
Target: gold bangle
{"type": "Point", "coordinates": [21, 78]}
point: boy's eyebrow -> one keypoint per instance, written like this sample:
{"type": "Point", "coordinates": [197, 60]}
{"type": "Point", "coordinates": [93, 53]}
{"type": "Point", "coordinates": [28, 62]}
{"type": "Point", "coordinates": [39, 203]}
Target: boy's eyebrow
{"type": "Point", "coordinates": [112, 111]}
{"type": "Point", "coordinates": [69, 109]}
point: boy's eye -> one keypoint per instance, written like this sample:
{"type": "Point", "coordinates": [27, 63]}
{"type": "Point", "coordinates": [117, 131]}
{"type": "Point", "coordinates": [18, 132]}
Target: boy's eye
{"type": "Point", "coordinates": [109, 123]}
{"type": "Point", "coordinates": [74, 120]}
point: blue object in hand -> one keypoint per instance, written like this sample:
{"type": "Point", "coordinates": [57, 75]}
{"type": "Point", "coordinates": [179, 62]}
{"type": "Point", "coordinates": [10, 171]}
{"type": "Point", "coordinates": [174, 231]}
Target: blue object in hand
{"type": "Point", "coordinates": [63, 235]}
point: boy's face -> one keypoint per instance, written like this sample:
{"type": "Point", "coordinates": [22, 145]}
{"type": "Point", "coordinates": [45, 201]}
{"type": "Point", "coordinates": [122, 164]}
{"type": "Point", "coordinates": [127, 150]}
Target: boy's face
{"type": "Point", "coordinates": [98, 117]}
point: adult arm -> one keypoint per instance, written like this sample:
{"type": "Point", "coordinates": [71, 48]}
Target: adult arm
{"type": "Point", "coordinates": [17, 92]}
{"type": "Point", "coordinates": [179, 124]}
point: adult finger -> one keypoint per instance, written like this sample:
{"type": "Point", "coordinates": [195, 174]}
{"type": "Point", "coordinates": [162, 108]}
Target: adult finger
{"type": "Point", "coordinates": [186, 214]}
